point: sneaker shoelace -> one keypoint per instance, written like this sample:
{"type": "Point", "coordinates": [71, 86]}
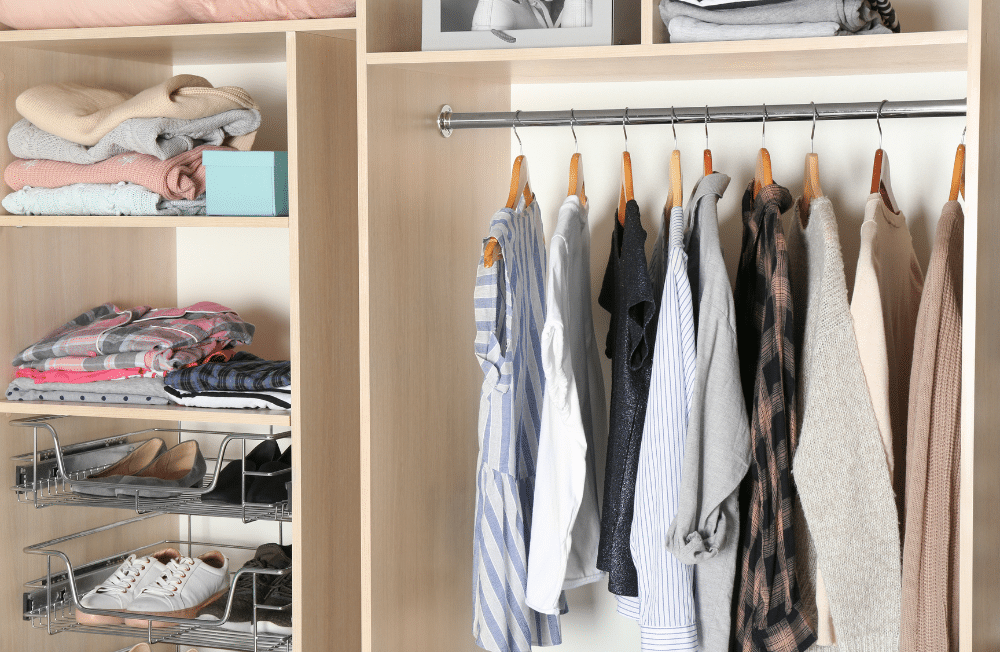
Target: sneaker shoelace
{"type": "Point", "coordinates": [172, 579]}
{"type": "Point", "coordinates": [245, 583]}
{"type": "Point", "coordinates": [126, 575]}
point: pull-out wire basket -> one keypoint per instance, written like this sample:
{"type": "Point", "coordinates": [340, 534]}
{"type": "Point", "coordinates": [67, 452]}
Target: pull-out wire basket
{"type": "Point", "coordinates": [43, 477]}
{"type": "Point", "coordinates": [51, 602]}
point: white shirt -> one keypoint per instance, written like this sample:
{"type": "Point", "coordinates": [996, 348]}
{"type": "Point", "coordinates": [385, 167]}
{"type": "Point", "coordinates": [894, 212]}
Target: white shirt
{"type": "Point", "coordinates": [566, 524]}
{"type": "Point", "coordinates": [665, 606]}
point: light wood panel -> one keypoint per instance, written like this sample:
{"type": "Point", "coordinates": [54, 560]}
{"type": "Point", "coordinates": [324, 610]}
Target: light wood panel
{"type": "Point", "coordinates": [393, 26]}
{"type": "Point", "coordinates": [430, 200]}
{"type": "Point", "coordinates": [256, 42]}
{"type": "Point", "coordinates": [323, 183]}
{"type": "Point", "coordinates": [152, 412]}
{"type": "Point", "coordinates": [144, 221]}
{"type": "Point", "coordinates": [980, 500]}
{"type": "Point", "coordinates": [48, 277]}
{"type": "Point", "coordinates": [873, 54]}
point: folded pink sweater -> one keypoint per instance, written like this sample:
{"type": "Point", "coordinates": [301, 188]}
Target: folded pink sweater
{"type": "Point", "coordinates": [180, 177]}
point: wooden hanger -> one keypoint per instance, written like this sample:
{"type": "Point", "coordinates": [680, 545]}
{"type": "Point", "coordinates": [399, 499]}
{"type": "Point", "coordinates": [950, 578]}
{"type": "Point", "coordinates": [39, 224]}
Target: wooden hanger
{"type": "Point", "coordinates": [676, 197]}
{"type": "Point", "coordinates": [881, 182]}
{"type": "Point", "coordinates": [708, 152]}
{"type": "Point", "coordinates": [627, 193]}
{"type": "Point", "coordinates": [810, 185]}
{"type": "Point", "coordinates": [958, 173]}
{"type": "Point", "coordinates": [762, 176]}
{"type": "Point", "coordinates": [576, 184]}
{"type": "Point", "coordinates": [519, 185]}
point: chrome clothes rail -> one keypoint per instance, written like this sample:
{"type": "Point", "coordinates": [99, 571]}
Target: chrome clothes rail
{"type": "Point", "coordinates": [448, 120]}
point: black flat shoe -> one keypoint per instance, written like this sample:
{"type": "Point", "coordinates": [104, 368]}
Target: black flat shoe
{"type": "Point", "coordinates": [271, 490]}
{"type": "Point", "coordinates": [227, 488]}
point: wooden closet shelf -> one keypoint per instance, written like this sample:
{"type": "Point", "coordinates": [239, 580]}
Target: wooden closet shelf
{"type": "Point", "coordinates": [157, 221]}
{"type": "Point", "coordinates": [152, 412]}
{"type": "Point", "coordinates": [854, 55]}
{"type": "Point", "coordinates": [255, 42]}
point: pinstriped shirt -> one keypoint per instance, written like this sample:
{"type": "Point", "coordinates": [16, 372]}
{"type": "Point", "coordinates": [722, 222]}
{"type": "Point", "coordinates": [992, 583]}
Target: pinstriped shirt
{"type": "Point", "coordinates": [510, 312]}
{"type": "Point", "coordinates": [665, 606]}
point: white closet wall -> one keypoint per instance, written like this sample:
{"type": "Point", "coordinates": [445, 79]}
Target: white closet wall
{"type": "Point", "coordinates": [922, 152]}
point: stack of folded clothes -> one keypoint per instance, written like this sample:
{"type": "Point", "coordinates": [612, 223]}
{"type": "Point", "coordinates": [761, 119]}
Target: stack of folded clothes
{"type": "Point", "coordinates": [743, 20]}
{"type": "Point", "coordinates": [109, 355]}
{"type": "Point", "coordinates": [95, 151]}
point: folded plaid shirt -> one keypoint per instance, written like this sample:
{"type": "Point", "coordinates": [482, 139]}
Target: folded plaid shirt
{"type": "Point", "coordinates": [243, 373]}
{"type": "Point", "coordinates": [107, 337]}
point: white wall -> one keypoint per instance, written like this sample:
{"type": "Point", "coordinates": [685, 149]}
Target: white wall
{"type": "Point", "coordinates": [922, 153]}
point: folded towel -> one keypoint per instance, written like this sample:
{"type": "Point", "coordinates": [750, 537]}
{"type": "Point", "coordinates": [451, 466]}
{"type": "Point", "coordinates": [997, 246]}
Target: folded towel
{"type": "Point", "coordinates": [84, 114]}
{"type": "Point", "coordinates": [160, 137]}
{"type": "Point", "coordinates": [851, 15]}
{"type": "Point", "coordinates": [230, 11]}
{"type": "Point", "coordinates": [180, 177]}
{"type": "Point", "coordinates": [98, 199]}
{"type": "Point", "coordinates": [126, 386]}
{"type": "Point", "coordinates": [689, 30]}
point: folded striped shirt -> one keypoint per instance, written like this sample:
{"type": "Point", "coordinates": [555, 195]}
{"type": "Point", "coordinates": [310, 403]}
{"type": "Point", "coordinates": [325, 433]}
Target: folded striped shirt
{"type": "Point", "coordinates": [244, 372]}
{"type": "Point", "coordinates": [280, 399]}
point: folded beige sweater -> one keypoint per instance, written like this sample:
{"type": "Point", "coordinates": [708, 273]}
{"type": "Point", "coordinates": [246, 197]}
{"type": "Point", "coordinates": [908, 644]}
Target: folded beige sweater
{"type": "Point", "coordinates": [83, 114]}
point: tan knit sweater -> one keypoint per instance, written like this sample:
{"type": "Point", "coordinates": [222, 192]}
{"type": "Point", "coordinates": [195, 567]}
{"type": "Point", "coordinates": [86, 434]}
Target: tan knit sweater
{"type": "Point", "coordinates": [930, 552]}
{"type": "Point", "coordinates": [84, 115]}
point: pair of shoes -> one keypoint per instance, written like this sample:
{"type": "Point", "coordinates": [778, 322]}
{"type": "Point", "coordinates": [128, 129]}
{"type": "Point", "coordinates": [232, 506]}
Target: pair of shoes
{"type": "Point", "coordinates": [150, 471]}
{"type": "Point", "coordinates": [164, 583]}
{"type": "Point", "coordinates": [275, 621]}
{"type": "Point", "coordinates": [269, 555]}
{"type": "Point", "coordinates": [266, 457]}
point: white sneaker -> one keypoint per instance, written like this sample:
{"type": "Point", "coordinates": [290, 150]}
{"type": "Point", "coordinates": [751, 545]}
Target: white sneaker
{"type": "Point", "coordinates": [576, 13]}
{"type": "Point", "coordinates": [186, 586]}
{"type": "Point", "coordinates": [511, 14]}
{"type": "Point", "coordinates": [119, 591]}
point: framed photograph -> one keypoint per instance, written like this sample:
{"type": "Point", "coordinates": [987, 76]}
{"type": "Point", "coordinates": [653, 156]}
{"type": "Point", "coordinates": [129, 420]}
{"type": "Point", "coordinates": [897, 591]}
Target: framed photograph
{"type": "Point", "coordinates": [499, 24]}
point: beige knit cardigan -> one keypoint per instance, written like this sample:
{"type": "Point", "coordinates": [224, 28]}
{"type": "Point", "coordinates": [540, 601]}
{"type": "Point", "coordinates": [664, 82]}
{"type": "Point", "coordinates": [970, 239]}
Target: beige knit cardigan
{"type": "Point", "coordinates": [84, 115]}
{"type": "Point", "coordinates": [930, 549]}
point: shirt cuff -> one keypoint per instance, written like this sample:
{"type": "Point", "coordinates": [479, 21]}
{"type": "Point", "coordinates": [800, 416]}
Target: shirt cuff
{"type": "Point", "coordinates": [669, 639]}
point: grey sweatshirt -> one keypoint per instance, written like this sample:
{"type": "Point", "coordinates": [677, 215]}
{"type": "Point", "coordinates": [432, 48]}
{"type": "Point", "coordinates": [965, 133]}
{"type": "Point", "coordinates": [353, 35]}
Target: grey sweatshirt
{"type": "Point", "coordinates": [839, 467]}
{"type": "Point", "coordinates": [852, 15]}
{"type": "Point", "coordinates": [705, 531]}
{"type": "Point", "coordinates": [684, 29]}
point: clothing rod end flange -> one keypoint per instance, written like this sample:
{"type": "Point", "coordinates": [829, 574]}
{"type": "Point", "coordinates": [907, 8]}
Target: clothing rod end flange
{"type": "Point", "coordinates": [444, 121]}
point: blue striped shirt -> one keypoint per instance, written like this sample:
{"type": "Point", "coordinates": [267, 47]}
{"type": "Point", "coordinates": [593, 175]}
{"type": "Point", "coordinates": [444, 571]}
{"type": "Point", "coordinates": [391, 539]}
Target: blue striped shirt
{"type": "Point", "coordinates": [665, 607]}
{"type": "Point", "coordinates": [510, 312]}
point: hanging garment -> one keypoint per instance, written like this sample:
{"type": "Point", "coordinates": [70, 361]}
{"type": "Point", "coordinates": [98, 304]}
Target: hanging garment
{"type": "Point", "coordinates": [626, 294]}
{"type": "Point", "coordinates": [665, 606]}
{"type": "Point", "coordinates": [766, 596]}
{"type": "Point", "coordinates": [839, 465]}
{"type": "Point", "coordinates": [887, 287]}
{"type": "Point", "coordinates": [510, 313]}
{"type": "Point", "coordinates": [705, 532]}
{"type": "Point", "coordinates": [930, 552]}
{"type": "Point", "coordinates": [567, 524]}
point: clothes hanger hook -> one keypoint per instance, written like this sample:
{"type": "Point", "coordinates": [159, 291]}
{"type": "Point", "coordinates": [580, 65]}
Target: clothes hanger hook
{"type": "Point", "coordinates": [572, 122]}
{"type": "Point", "coordinates": [624, 120]}
{"type": "Point", "coordinates": [812, 138]}
{"type": "Point", "coordinates": [706, 126]}
{"type": "Point", "coordinates": [763, 128]}
{"type": "Point", "coordinates": [878, 121]}
{"type": "Point", "coordinates": [517, 121]}
{"type": "Point", "coordinates": [673, 125]}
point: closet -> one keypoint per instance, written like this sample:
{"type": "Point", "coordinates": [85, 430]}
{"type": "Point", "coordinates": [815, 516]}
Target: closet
{"type": "Point", "coordinates": [387, 219]}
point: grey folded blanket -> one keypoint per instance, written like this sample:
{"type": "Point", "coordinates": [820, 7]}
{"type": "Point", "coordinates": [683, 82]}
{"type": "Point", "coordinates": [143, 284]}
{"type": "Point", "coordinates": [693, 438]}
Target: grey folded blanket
{"type": "Point", "coordinates": [851, 15]}
{"type": "Point", "coordinates": [689, 30]}
{"type": "Point", "coordinates": [160, 137]}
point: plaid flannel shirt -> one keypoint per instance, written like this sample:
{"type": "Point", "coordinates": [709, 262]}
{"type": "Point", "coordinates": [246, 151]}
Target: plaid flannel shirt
{"type": "Point", "coordinates": [245, 372]}
{"type": "Point", "coordinates": [107, 337]}
{"type": "Point", "coordinates": [766, 597]}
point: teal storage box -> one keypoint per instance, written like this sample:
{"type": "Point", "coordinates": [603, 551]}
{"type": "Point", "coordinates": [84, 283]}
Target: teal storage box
{"type": "Point", "coordinates": [246, 183]}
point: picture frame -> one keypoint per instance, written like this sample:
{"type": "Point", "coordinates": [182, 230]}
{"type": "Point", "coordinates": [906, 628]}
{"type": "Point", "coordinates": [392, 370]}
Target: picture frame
{"type": "Point", "coordinates": [447, 25]}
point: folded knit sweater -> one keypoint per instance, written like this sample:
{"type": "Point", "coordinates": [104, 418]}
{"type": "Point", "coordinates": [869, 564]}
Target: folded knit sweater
{"type": "Point", "coordinates": [98, 199]}
{"type": "Point", "coordinates": [84, 114]}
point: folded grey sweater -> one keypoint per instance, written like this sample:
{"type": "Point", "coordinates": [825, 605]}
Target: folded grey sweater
{"type": "Point", "coordinates": [98, 199]}
{"type": "Point", "coordinates": [160, 137]}
{"type": "Point", "coordinates": [851, 15]}
{"type": "Point", "coordinates": [690, 30]}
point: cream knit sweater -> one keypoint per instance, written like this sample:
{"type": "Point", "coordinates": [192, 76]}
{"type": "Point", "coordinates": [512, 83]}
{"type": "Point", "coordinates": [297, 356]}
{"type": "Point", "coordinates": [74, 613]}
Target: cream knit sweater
{"type": "Point", "coordinates": [930, 551]}
{"type": "Point", "coordinates": [84, 115]}
{"type": "Point", "coordinates": [839, 466]}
